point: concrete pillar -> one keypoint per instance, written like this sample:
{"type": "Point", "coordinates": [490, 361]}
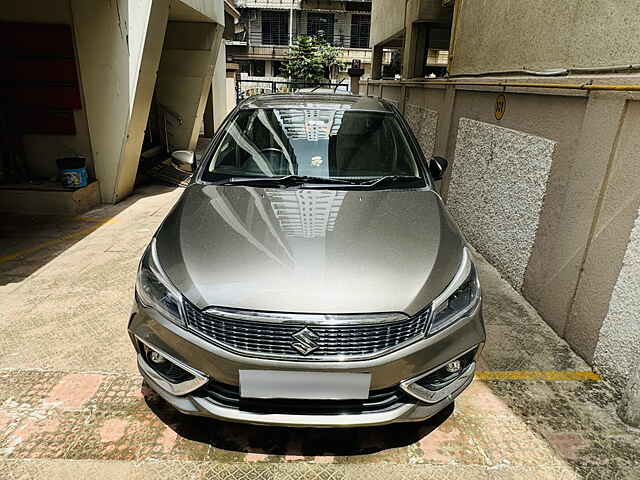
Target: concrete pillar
{"type": "Point", "coordinates": [629, 409]}
{"type": "Point", "coordinates": [355, 73]}
{"type": "Point", "coordinates": [376, 63]}
{"type": "Point", "coordinates": [414, 55]}
{"type": "Point", "coordinates": [216, 108]}
{"type": "Point", "coordinates": [230, 82]}
{"type": "Point", "coordinates": [209, 116]}
{"type": "Point", "coordinates": [219, 86]}
{"type": "Point", "coordinates": [147, 70]}
{"type": "Point", "coordinates": [118, 46]}
{"type": "Point", "coordinates": [185, 76]}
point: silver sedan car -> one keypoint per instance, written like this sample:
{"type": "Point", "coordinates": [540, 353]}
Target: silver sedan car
{"type": "Point", "coordinates": [310, 274]}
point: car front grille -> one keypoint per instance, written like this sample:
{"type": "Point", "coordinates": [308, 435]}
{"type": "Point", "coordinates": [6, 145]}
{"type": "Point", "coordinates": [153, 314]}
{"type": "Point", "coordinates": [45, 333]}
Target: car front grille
{"type": "Point", "coordinates": [331, 342]}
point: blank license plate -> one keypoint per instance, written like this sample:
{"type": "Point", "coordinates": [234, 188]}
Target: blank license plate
{"type": "Point", "coordinates": [304, 385]}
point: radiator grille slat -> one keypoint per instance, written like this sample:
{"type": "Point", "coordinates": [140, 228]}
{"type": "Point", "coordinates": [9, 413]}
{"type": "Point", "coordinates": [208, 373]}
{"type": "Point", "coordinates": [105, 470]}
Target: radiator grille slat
{"type": "Point", "coordinates": [269, 339]}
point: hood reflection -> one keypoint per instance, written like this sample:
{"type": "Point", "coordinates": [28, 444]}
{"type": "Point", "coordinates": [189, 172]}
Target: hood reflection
{"type": "Point", "coordinates": [306, 213]}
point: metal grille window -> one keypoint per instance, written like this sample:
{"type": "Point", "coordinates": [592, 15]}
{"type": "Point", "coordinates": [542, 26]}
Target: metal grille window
{"type": "Point", "coordinates": [360, 28]}
{"type": "Point", "coordinates": [275, 27]}
{"type": "Point", "coordinates": [321, 22]}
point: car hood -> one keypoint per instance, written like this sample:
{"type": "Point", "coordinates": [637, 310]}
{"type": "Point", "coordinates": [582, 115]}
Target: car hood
{"type": "Point", "coordinates": [308, 250]}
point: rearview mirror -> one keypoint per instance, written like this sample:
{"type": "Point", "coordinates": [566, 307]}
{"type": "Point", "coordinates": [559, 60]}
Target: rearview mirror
{"type": "Point", "coordinates": [437, 167]}
{"type": "Point", "coordinates": [184, 160]}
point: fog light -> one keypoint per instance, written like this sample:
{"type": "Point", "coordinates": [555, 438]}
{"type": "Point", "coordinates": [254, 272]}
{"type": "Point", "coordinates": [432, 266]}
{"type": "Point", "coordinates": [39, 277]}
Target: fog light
{"type": "Point", "coordinates": [453, 367]}
{"type": "Point", "coordinates": [155, 357]}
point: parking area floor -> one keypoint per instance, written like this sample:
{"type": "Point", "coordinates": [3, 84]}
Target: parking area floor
{"type": "Point", "coordinates": [72, 404]}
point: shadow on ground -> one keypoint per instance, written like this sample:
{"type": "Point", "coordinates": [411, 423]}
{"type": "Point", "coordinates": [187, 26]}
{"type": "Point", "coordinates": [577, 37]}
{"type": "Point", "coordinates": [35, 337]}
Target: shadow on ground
{"type": "Point", "coordinates": [51, 235]}
{"type": "Point", "coordinates": [306, 442]}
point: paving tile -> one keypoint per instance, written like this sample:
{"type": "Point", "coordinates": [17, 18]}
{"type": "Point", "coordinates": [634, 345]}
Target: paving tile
{"type": "Point", "coordinates": [44, 436]}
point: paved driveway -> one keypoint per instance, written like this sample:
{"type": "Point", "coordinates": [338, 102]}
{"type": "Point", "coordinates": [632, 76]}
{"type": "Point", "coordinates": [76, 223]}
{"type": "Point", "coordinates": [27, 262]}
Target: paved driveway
{"type": "Point", "coordinates": [73, 406]}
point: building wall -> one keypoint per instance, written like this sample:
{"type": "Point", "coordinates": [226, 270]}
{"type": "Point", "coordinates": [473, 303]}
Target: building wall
{"type": "Point", "coordinates": [185, 76]}
{"type": "Point", "coordinates": [122, 51]}
{"type": "Point", "coordinates": [549, 194]}
{"type": "Point", "coordinates": [618, 350]}
{"type": "Point", "coordinates": [118, 52]}
{"type": "Point", "coordinates": [219, 88]}
{"type": "Point", "coordinates": [387, 19]}
{"type": "Point", "coordinates": [544, 34]}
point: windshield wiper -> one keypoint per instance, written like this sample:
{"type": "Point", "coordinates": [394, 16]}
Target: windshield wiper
{"type": "Point", "coordinates": [390, 180]}
{"type": "Point", "coordinates": [287, 180]}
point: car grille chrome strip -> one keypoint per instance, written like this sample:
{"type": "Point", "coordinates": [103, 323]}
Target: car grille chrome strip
{"type": "Point", "coordinates": [304, 338]}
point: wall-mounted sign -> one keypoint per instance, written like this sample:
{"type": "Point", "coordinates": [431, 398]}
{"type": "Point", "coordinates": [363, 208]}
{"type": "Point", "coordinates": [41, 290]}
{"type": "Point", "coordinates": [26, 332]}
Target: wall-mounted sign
{"type": "Point", "coordinates": [501, 106]}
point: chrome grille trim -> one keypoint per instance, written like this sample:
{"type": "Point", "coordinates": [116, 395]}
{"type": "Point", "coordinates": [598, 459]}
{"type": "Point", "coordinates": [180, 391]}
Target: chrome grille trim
{"type": "Point", "coordinates": [341, 337]}
{"type": "Point", "coordinates": [306, 318]}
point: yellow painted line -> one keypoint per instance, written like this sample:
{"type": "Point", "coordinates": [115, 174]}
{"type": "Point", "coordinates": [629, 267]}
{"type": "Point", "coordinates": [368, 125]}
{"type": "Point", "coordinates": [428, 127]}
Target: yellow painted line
{"type": "Point", "coordinates": [56, 241]}
{"type": "Point", "coordinates": [542, 375]}
{"type": "Point", "coordinates": [92, 219]}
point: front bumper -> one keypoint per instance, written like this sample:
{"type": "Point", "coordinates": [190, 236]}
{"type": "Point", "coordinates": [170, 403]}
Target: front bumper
{"type": "Point", "coordinates": [210, 363]}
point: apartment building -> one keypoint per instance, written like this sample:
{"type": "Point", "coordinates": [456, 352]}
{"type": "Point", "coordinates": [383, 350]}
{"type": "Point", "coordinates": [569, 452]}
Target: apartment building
{"type": "Point", "coordinates": [267, 28]}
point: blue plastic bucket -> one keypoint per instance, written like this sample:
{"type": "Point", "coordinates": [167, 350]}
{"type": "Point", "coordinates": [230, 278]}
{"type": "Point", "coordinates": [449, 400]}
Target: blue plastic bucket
{"type": "Point", "coordinates": [73, 173]}
{"type": "Point", "coordinates": [74, 177]}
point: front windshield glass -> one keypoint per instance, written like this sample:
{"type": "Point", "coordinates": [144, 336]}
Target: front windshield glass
{"type": "Point", "coordinates": [312, 142]}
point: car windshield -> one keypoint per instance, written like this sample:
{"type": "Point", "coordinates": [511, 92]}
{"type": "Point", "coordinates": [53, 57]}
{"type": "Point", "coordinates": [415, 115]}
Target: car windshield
{"type": "Point", "coordinates": [318, 143]}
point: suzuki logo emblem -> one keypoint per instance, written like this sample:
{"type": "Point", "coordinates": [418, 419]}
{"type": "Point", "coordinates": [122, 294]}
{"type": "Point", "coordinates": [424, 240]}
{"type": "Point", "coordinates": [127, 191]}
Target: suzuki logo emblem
{"type": "Point", "coordinates": [305, 341]}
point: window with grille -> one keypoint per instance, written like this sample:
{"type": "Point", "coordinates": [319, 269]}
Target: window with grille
{"type": "Point", "coordinates": [275, 27]}
{"type": "Point", "coordinates": [360, 28]}
{"type": "Point", "coordinates": [321, 22]}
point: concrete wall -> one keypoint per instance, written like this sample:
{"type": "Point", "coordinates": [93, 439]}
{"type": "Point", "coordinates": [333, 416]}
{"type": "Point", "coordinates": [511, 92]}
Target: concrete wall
{"type": "Point", "coordinates": [118, 52]}
{"type": "Point", "coordinates": [387, 19]}
{"type": "Point", "coordinates": [185, 75]}
{"type": "Point", "coordinates": [549, 194]}
{"type": "Point", "coordinates": [120, 47]}
{"type": "Point", "coordinates": [543, 34]}
{"type": "Point", "coordinates": [405, 24]}
{"type": "Point", "coordinates": [219, 88]}
{"type": "Point", "coordinates": [618, 350]}
{"type": "Point", "coordinates": [98, 27]}
{"type": "Point", "coordinates": [497, 187]}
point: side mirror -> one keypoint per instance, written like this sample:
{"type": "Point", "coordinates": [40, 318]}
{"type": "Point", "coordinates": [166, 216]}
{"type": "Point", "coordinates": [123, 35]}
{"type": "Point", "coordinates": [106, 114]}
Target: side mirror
{"type": "Point", "coordinates": [184, 160]}
{"type": "Point", "coordinates": [437, 167]}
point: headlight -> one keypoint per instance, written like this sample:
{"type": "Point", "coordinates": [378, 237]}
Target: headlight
{"type": "Point", "coordinates": [458, 299]}
{"type": "Point", "coordinates": [155, 290]}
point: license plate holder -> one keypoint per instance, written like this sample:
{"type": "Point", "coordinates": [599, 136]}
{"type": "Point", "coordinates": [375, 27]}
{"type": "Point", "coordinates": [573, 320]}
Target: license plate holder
{"type": "Point", "coordinates": [304, 385]}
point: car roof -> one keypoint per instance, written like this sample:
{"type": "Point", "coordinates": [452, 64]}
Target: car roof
{"type": "Point", "coordinates": [318, 101]}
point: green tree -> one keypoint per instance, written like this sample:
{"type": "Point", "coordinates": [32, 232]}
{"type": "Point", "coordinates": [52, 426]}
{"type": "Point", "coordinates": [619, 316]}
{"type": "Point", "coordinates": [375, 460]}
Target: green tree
{"type": "Point", "coordinates": [310, 60]}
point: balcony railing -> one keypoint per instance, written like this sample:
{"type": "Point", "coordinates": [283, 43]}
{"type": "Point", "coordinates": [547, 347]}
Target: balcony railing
{"type": "Point", "coordinates": [282, 39]}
